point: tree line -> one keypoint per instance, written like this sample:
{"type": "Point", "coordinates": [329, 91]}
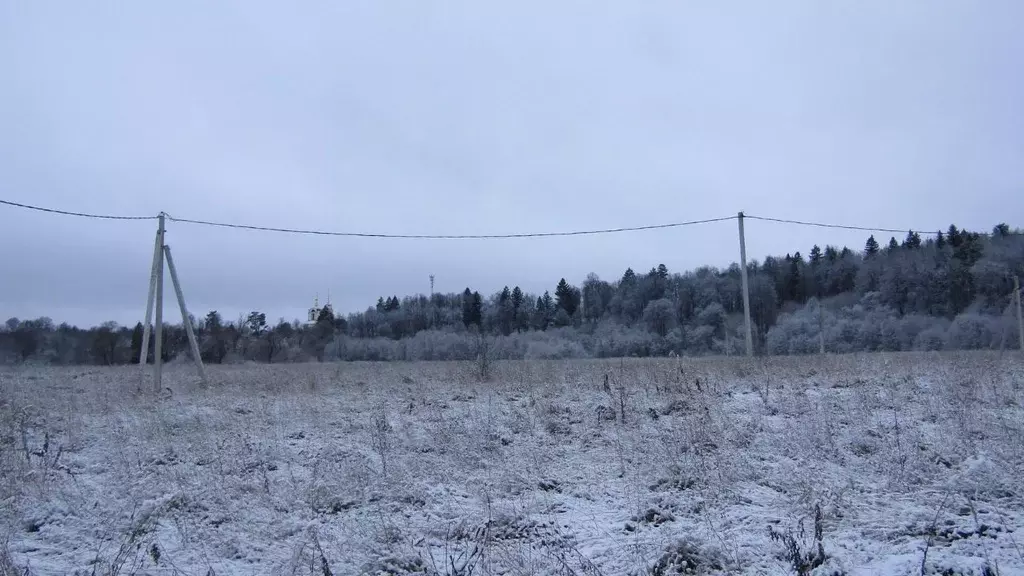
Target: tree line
{"type": "Point", "coordinates": [946, 290]}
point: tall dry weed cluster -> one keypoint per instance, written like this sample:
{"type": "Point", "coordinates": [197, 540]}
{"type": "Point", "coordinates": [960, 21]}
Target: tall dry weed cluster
{"type": "Point", "coordinates": [380, 435]}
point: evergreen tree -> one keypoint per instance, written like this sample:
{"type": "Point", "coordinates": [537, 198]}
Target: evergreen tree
{"type": "Point", "coordinates": [912, 241]}
{"type": "Point", "coordinates": [659, 283]}
{"type": "Point", "coordinates": [506, 313]}
{"type": "Point", "coordinates": [870, 247]}
{"type": "Point", "coordinates": [961, 287]}
{"type": "Point", "coordinates": [627, 303]}
{"type": "Point", "coordinates": [815, 281]}
{"type": "Point", "coordinates": [970, 249]}
{"type": "Point", "coordinates": [517, 298]}
{"type": "Point", "coordinates": [315, 340]}
{"type": "Point", "coordinates": [539, 313]}
{"type": "Point", "coordinates": [136, 343]}
{"type": "Point", "coordinates": [326, 316]}
{"type": "Point", "coordinates": [831, 254]}
{"type": "Point", "coordinates": [545, 312]}
{"type": "Point", "coordinates": [567, 297]}
{"type": "Point", "coordinates": [256, 323]}
{"type": "Point", "coordinates": [893, 244]}
{"type": "Point", "coordinates": [815, 255]}
{"type": "Point", "coordinates": [846, 271]}
{"type": "Point", "coordinates": [341, 324]}
{"type": "Point", "coordinates": [467, 307]}
{"type": "Point", "coordinates": [517, 308]}
{"type": "Point", "coordinates": [794, 279]}
{"type": "Point", "coordinates": [549, 303]}
{"type": "Point", "coordinates": [954, 236]}
{"type": "Point", "coordinates": [214, 346]}
{"type": "Point", "coordinates": [940, 240]}
{"type": "Point", "coordinates": [477, 310]}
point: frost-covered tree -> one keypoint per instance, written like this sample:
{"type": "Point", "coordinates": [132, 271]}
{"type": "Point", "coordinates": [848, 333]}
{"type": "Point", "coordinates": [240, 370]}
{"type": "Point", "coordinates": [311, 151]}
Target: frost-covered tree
{"type": "Point", "coordinates": [597, 295]}
{"type": "Point", "coordinates": [660, 317]}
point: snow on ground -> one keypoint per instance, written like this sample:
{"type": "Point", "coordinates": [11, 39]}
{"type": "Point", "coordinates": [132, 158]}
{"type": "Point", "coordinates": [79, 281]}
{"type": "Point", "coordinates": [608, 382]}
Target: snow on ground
{"type": "Point", "coordinates": [720, 466]}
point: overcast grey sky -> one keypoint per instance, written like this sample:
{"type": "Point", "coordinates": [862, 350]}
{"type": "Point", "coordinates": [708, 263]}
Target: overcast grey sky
{"type": "Point", "coordinates": [463, 117]}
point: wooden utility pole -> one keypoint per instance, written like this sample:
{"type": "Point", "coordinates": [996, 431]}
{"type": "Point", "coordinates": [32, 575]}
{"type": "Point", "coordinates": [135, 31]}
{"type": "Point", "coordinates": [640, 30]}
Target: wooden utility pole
{"type": "Point", "coordinates": [746, 289]}
{"type": "Point", "coordinates": [158, 340]}
{"type": "Point", "coordinates": [193, 344]}
{"type": "Point", "coordinates": [144, 353]}
{"type": "Point", "coordinates": [156, 300]}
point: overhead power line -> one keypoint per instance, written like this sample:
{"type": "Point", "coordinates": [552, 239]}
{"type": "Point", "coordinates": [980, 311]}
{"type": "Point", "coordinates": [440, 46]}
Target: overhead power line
{"type": "Point", "coordinates": [839, 226]}
{"type": "Point", "coordinates": [374, 234]}
{"type": "Point", "coordinates": [80, 214]}
{"type": "Point", "coordinates": [460, 236]}
{"type": "Point", "coordinates": [454, 236]}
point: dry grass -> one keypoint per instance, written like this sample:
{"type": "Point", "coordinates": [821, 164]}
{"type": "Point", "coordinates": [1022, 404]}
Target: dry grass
{"type": "Point", "coordinates": [551, 467]}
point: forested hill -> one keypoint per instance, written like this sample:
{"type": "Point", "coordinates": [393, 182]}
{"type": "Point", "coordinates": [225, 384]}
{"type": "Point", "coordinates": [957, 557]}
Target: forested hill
{"type": "Point", "coordinates": [950, 290]}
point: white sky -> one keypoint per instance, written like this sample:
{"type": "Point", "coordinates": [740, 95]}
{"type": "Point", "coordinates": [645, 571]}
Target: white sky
{"type": "Point", "coordinates": [460, 117]}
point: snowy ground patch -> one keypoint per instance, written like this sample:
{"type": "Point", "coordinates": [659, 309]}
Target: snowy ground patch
{"type": "Point", "coordinates": [867, 464]}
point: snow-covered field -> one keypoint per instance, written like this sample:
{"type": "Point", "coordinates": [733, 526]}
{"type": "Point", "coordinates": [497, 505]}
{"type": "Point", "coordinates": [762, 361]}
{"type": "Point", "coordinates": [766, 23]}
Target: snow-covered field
{"type": "Point", "coordinates": [908, 460]}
